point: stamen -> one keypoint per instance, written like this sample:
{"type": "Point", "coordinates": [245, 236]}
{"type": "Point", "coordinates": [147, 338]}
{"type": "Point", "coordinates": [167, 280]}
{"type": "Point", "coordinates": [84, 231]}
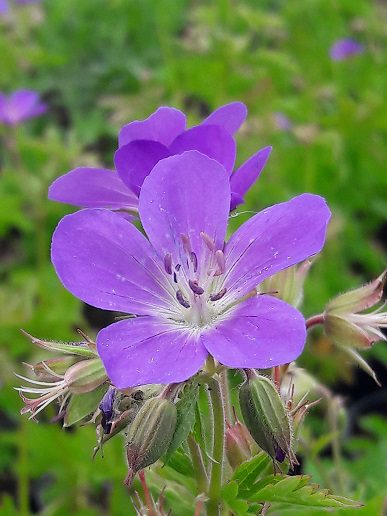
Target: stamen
{"type": "Point", "coordinates": [168, 263]}
{"type": "Point", "coordinates": [175, 277]}
{"type": "Point", "coordinates": [193, 285]}
{"type": "Point", "coordinates": [194, 260]}
{"type": "Point", "coordinates": [219, 295]}
{"type": "Point", "coordinates": [178, 267]}
{"type": "Point", "coordinates": [186, 243]}
{"type": "Point", "coordinates": [210, 243]}
{"type": "Point", "coordinates": [181, 299]}
{"type": "Point", "coordinates": [221, 261]}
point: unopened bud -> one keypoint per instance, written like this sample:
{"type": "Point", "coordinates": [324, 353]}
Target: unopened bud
{"type": "Point", "coordinates": [237, 444]}
{"type": "Point", "coordinates": [288, 284]}
{"type": "Point", "coordinates": [266, 418]}
{"type": "Point", "coordinates": [85, 376]}
{"type": "Point", "coordinates": [150, 434]}
{"type": "Point", "coordinates": [48, 370]}
{"type": "Point", "coordinates": [346, 326]}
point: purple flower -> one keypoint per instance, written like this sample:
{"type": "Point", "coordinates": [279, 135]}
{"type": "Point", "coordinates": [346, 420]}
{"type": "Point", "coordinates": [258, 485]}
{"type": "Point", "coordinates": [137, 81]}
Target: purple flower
{"type": "Point", "coordinates": [142, 144]}
{"type": "Point", "coordinates": [4, 7]}
{"type": "Point", "coordinates": [21, 105]}
{"type": "Point", "coordinates": [193, 294]}
{"type": "Point", "coordinates": [344, 48]}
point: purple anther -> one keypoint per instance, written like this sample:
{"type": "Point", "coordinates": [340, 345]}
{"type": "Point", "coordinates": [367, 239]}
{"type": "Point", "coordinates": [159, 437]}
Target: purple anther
{"type": "Point", "coordinates": [168, 263]}
{"type": "Point", "coordinates": [194, 260]}
{"type": "Point", "coordinates": [193, 285]}
{"type": "Point", "coordinates": [175, 277]}
{"type": "Point", "coordinates": [221, 261]}
{"type": "Point", "coordinates": [181, 299]}
{"type": "Point", "coordinates": [178, 267]}
{"type": "Point", "coordinates": [210, 242]}
{"type": "Point", "coordinates": [186, 243]}
{"type": "Point", "coordinates": [218, 295]}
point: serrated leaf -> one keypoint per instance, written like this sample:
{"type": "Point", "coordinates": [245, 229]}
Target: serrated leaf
{"type": "Point", "coordinates": [248, 472]}
{"type": "Point", "coordinates": [185, 418]}
{"type": "Point", "coordinates": [298, 491]}
{"type": "Point", "coordinates": [230, 496]}
{"type": "Point", "coordinates": [81, 405]}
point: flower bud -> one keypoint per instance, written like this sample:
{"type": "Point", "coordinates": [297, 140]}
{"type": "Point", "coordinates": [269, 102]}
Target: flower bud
{"type": "Point", "coordinates": [49, 369]}
{"type": "Point", "coordinates": [288, 284]}
{"type": "Point", "coordinates": [150, 434]}
{"type": "Point", "coordinates": [237, 444]}
{"type": "Point", "coordinates": [266, 418]}
{"type": "Point", "coordinates": [346, 326]}
{"type": "Point", "coordinates": [85, 376]}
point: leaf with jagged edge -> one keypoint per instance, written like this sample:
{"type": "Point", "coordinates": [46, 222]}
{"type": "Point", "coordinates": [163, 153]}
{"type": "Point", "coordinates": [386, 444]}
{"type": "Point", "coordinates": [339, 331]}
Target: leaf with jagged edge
{"type": "Point", "coordinates": [297, 491]}
{"type": "Point", "coordinates": [249, 471]}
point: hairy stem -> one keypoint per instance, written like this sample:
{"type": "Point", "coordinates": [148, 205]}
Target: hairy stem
{"type": "Point", "coordinates": [314, 321]}
{"type": "Point", "coordinates": [198, 464]}
{"type": "Point", "coordinates": [215, 486]}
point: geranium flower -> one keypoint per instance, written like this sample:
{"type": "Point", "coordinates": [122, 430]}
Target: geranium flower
{"type": "Point", "coordinates": [142, 144]}
{"type": "Point", "coordinates": [344, 48]}
{"type": "Point", "coordinates": [20, 106]}
{"type": "Point", "coordinates": [193, 294]}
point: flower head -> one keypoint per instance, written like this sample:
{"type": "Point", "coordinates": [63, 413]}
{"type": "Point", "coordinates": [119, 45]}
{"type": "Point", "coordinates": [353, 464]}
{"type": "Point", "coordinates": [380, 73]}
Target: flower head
{"type": "Point", "coordinates": [347, 326]}
{"type": "Point", "coordinates": [344, 48]}
{"type": "Point", "coordinates": [194, 294]}
{"type": "Point", "coordinates": [143, 143]}
{"type": "Point", "coordinates": [20, 106]}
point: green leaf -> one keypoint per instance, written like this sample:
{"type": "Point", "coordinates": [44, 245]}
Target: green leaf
{"type": "Point", "coordinates": [298, 491]}
{"type": "Point", "coordinates": [230, 496]}
{"type": "Point", "coordinates": [248, 472]}
{"type": "Point", "coordinates": [81, 405]}
{"type": "Point", "coordinates": [185, 418]}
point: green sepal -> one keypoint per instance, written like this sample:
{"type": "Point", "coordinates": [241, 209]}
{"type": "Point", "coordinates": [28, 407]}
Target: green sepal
{"type": "Point", "coordinates": [81, 405]}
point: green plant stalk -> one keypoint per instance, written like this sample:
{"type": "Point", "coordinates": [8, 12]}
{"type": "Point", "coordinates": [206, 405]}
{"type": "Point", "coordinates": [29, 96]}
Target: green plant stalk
{"type": "Point", "coordinates": [216, 400]}
{"type": "Point", "coordinates": [198, 464]}
{"type": "Point", "coordinates": [23, 480]}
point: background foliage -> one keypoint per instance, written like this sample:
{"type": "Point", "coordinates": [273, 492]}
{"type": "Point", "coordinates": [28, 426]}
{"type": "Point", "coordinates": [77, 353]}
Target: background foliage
{"type": "Point", "coordinates": [101, 64]}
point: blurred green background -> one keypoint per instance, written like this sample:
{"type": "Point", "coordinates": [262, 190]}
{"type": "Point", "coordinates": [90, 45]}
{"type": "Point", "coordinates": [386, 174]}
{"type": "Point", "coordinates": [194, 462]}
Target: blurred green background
{"type": "Point", "coordinates": [99, 64]}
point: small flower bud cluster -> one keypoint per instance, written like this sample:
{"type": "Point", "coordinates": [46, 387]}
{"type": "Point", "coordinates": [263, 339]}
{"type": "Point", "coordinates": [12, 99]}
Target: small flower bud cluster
{"type": "Point", "coordinates": [345, 323]}
{"type": "Point", "coordinates": [78, 371]}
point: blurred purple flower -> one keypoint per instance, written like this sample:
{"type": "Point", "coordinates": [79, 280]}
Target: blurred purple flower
{"type": "Point", "coordinates": [345, 48]}
{"type": "Point", "coordinates": [4, 7]}
{"type": "Point", "coordinates": [142, 144]}
{"type": "Point", "coordinates": [21, 105]}
{"type": "Point", "coordinates": [282, 121]}
{"type": "Point", "coordinates": [193, 294]}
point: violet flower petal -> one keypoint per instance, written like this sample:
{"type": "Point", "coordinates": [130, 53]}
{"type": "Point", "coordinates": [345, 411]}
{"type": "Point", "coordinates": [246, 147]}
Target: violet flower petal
{"type": "Point", "coordinates": [274, 239]}
{"type": "Point", "coordinates": [23, 104]}
{"type": "Point", "coordinates": [92, 188]}
{"type": "Point", "coordinates": [211, 140]}
{"type": "Point", "coordinates": [162, 126]}
{"type": "Point", "coordinates": [246, 175]}
{"type": "Point", "coordinates": [261, 332]}
{"type": "Point", "coordinates": [345, 48]}
{"type": "Point", "coordinates": [184, 195]}
{"type": "Point", "coordinates": [230, 116]}
{"type": "Point", "coordinates": [135, 160]}
{"type": "Point", "coordinates": [149, 350]}
{"type": "Point", "coordinates": [106, 262]}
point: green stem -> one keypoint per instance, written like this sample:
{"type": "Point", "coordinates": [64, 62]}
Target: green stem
{"type": "Point", "coordinates": [333, 408]}
{"type": "Point", "coordinates": [198, 464]}
{"type": "Point", "coordinates": [216, 400]}
{"type": "Point", "coordinates": [23, 480]}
